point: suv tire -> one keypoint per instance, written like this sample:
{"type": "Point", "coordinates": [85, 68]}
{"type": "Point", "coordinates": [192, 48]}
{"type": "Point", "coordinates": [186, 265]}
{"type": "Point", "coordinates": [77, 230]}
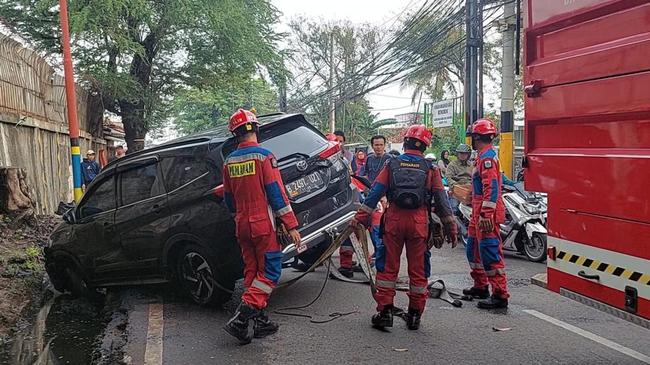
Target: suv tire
{"type": "Point", "coordinates": [197, 275]}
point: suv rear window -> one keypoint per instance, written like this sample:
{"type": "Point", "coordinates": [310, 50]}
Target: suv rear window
{"type": "Point", "coordinates": [287, 138]}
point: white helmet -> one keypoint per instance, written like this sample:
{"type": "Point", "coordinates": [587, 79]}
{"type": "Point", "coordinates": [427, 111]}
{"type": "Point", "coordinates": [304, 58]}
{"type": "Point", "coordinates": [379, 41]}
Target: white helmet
{"type": "Point", "coordinates": [430, 157]}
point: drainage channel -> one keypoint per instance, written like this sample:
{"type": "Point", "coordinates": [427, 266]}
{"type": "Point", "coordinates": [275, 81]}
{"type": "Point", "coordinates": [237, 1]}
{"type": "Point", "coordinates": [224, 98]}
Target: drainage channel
{"type": "Point", "coordinates": [63, 330]}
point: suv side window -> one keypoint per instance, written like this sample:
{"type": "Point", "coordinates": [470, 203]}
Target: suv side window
{"type": "Point", "coordinates": [100, 199]}
{"type": "Point", "coordinates": [189, 165]}
{"type": "Point", "coordinates": [140, 183]}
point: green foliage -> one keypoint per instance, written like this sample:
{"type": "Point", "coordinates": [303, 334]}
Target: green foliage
{"type": "Point", "coordinates": [353, 46]}
{"type": "Point", "coordinates": [138, 54]}
{"type": "Point", "coordinates": [200, 109]}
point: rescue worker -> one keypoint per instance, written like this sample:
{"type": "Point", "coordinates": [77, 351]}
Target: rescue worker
{"type": "Point", "coordinates": [254, 192]}
{"type": "Point", "coordinates": [409, 182]}
{"type": "Point", "coordinates": [484, 251]}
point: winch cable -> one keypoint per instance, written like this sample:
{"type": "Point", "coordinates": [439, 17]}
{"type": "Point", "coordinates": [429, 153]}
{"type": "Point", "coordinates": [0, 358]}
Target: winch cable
{"type": "Point", "coordinates": [336, 243]}
{"type": "Point", "coordinates": [332, 316]}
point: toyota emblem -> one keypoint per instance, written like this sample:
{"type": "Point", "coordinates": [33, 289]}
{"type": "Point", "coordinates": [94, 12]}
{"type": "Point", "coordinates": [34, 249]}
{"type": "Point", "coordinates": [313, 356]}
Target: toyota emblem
{"type": "Point", "coordinates": [302, 165]}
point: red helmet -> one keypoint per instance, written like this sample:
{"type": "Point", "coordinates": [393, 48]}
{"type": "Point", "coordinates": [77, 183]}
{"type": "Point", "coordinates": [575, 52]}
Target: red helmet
{"type": "Point", "coordinates": [419, 132]}
{"type": "Point", "coordinates": [240, 118]}
{"type": "Point", "coordinates": [484, 126]}
{"type": "Point", "coordinates": [331, 137]}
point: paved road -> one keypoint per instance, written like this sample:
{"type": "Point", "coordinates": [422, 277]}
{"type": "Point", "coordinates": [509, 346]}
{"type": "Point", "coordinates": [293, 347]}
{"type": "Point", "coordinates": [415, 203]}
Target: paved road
{"type": "Point", "coordinates": [193, 335]}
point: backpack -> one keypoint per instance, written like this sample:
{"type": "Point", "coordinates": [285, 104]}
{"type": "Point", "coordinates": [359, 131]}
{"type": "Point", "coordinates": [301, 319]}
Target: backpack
{"type": "Point", "coordinates": [408, 183]}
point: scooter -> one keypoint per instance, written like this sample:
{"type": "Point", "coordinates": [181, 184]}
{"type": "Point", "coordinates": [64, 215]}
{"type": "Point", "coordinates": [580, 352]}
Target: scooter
{"type": "Point", "coordinates": [525, 228]}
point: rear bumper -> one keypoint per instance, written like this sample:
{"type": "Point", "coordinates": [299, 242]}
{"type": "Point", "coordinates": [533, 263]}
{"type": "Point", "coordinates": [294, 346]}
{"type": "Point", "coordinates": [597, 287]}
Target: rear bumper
{"type": "Point", "coordinates": [330, 230]}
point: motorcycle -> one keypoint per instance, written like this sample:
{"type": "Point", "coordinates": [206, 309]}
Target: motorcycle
{"type": "Point", "coordinates": [524, 230]}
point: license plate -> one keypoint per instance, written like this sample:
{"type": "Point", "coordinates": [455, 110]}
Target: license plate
{"type": "Point", "coordinates": [305, 185]}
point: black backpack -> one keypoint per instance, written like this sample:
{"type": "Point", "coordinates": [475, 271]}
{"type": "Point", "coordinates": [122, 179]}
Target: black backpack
{"type": "Point", "coordinates": [408, 183]}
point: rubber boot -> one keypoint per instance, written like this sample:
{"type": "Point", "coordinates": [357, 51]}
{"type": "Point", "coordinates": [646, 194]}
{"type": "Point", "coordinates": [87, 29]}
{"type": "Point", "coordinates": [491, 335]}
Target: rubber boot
{"type": "Point", "coordinates": [477, 293]}
{"type": "Point", "coordinates": [493, 303]}
{"type": "Point", "coordinates": [238, 325]}
{"type": "Point", "coordinates": [347, 272]}
{"type": "Point", "coordinates": [384, 318]}
{"type": "Point", "coordinates": [263, 326]}
{"type": "Point", "coordinates": [413, 319]}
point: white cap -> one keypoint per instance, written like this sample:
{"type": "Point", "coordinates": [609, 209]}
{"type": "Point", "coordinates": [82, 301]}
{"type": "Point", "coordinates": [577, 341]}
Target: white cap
{"type": "Point", "coordinates": [90, 152]}
{"type": "Point", "coordinates": [430, 156]}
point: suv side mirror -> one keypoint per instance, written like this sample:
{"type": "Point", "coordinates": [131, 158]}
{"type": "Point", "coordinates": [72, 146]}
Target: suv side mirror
{"type": "Point", "coordinates": [68, 216]}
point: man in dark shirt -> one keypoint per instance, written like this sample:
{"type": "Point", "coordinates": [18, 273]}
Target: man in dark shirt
{"type": "Point", "coordinates": [376, 160]}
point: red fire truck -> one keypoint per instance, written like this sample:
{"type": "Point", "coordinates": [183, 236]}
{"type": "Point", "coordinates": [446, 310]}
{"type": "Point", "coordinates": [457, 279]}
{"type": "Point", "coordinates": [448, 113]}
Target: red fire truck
{"type": "Point", "coordinates": [587, 84]}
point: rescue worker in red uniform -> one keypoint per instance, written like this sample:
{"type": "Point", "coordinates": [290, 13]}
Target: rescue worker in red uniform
{"type": "Point", "coordinates": [409, 182]}
{"type": "Point", "coordinates": [254, 192]}
{"type": "Point", "coordinates": [484, 250]}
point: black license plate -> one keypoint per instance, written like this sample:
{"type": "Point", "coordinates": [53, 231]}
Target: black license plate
{"type": "Point", "coordinates": [305, 185]}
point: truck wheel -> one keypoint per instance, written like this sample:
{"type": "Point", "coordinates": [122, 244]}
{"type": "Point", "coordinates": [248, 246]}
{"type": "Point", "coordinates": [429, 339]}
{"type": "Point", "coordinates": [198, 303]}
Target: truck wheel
{"type": "Point", "coordinates": [535, 248]}
{"type": "Point", "coordinates": [198, 277]}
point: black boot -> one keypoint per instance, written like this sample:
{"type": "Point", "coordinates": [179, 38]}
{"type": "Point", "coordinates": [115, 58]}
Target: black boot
{"type": "Point", "coordinates": [413, 319]}
{"type": "Point", "coordinates": [238, 326]}
{"type": "Point", "coordinates": [263, 326]}
{"type": "Point", "coordinates": [493, 303]}
{"type": "Point", "coordinates": [384, 318]}
{"type": "Point", "coordinates": [477, 293]}
{"type": "Point", "coordinates": [347, 272]}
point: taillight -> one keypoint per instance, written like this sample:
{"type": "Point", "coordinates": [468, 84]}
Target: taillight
{"type": "Point", "coordinates": [332, 149]}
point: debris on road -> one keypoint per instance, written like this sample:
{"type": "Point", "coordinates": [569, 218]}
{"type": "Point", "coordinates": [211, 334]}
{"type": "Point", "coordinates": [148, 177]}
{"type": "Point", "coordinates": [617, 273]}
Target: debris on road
{"type": "Point", "coordinates": [502, 329]}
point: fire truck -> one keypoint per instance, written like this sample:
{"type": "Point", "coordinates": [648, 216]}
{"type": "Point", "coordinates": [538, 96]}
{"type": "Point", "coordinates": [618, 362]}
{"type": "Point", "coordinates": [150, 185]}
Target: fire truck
{"type": "Point", "coordinates": [587, 144]}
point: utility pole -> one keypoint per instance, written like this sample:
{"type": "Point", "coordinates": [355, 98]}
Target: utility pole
{"type": "Point", "coordinates": [332, 114]}
{"type": "Point", "coordinates": [71, 98]}
{"type": "Point", "coordinates": [472, 49]}
{"type": "Point", "coordinates": [506, 148]}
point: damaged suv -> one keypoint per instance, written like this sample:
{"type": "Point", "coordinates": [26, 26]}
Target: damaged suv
{"type": "Point", "coordinates": [158, 214]}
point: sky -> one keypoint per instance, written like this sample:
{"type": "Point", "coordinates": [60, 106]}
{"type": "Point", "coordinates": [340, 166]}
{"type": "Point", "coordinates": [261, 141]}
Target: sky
{"type": "Point", "coordinates": [389, 100]}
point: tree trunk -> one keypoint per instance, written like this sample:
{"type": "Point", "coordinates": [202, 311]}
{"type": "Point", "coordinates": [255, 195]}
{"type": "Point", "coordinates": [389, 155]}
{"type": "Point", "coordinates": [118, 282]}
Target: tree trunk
{"type": "Point", "coordinates": [134, 128]}
{"type": "Point", "coordinates": [15, 196]}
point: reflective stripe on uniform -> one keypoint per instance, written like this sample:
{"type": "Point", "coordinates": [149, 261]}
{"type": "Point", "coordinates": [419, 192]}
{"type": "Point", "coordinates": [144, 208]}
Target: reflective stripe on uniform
{"type": "Point", "coordinates": [386, 284]}
{"type": "Point", "coordinates": [262, 286]}
{"type": "Point", "coordinates": [495, 272]}
{"type": "Point", "coordinates": [475, 265]}
{"type": "Point", "coordinates": [246, 157]}
{"type": "Point", "coordinates": [489, 204]}
{"type": "Point", "coordinates": [282, 211]}
{"type": "Point", "coordinates": [418, 289]}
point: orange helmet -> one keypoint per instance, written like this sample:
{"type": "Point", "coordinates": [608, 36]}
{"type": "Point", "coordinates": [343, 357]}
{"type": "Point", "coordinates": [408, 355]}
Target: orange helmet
{"type": "Point", "coordinates": [419, 132]}
{"type": "Point", "coordinates": [484, 127]}
{"type": "Point", "coordinates": [240, 118]}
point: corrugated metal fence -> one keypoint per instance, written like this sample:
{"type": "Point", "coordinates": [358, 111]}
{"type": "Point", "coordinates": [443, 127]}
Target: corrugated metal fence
{"type": "Point", "coordinates": [33, 123]}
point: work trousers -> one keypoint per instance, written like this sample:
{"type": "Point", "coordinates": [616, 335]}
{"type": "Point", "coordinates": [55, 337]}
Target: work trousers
{"type": "Point", "coordinates": [403, 228]}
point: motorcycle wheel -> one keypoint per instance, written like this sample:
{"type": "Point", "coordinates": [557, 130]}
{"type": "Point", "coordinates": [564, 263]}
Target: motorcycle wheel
{"type": "Point", "coordinates": [535, 248]}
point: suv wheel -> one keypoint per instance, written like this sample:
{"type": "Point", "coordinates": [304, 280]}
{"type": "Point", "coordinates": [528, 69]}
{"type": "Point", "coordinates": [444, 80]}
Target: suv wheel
{"type": "Point", "coordinates": [77, 285]}
{"type": "Point", "coordinates": [197, 276]}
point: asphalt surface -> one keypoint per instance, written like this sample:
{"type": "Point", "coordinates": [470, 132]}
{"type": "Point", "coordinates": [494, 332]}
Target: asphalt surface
{"type": "Point", "coordinates": [194, 335]}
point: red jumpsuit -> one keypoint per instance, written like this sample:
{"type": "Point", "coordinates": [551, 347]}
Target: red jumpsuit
{"type": "Point", "coordinates": [486, 257]}
{"type": "Point", "coordinates": [404, 227]}
{"type": "Point", "coordinates": [254, 191]}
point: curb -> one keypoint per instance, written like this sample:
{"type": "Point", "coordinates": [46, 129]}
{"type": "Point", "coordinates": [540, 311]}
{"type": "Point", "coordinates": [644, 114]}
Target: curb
{"type": "Point", "coordinates": [540, 280]}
